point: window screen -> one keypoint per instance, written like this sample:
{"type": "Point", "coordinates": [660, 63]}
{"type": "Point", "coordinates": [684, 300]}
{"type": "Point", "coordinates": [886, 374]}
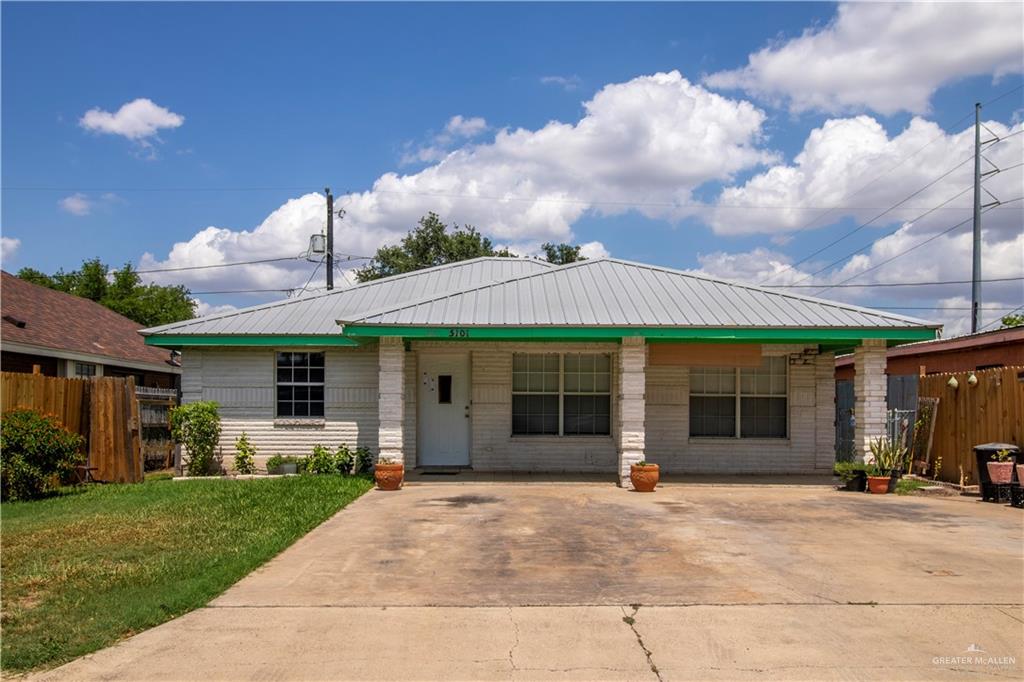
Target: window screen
{"type": "Point", "coordinates": [556, 393]}
{"type": "Point", "coordinates": [758, 395]}
{"type": "Point", "coordinates": [300, 384]}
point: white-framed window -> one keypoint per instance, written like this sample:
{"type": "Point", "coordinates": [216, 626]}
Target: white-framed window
{"type": "Point", "coordinates": [85, 369]}
{"type": "Point", "coordinates": [744, 402]}
{"type": "Point", "coordinates": [300, 384]}
{"type": "Point", "coordinates": [561, 394]}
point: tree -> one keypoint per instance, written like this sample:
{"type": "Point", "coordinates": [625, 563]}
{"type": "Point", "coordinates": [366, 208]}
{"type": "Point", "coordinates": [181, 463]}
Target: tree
{"type": "Point", "coordinates": [122, 291]}
{"type": "Point", "coordinates": [560, 254]}
{"type": "Point", "coordinates": [1013, 320]}
{"type": "Point", "coordinates": [428, 245]}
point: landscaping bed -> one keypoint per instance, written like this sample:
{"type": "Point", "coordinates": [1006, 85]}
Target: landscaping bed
{"type": "Point", "coordinates": [92, 565]}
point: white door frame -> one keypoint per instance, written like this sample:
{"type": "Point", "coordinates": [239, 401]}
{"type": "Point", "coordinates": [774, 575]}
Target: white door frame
{"type": "Point", "coordinates": [460, 410]}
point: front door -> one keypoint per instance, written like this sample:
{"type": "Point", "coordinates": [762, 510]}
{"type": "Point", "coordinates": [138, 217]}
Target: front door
{"type": "Point", "coordinates": [443, 433]}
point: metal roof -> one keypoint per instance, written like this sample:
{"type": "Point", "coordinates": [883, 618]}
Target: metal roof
{"type": "Point", "coordinates": [317, 314]}
{"type": "Point", "coordinates": [612, 292]}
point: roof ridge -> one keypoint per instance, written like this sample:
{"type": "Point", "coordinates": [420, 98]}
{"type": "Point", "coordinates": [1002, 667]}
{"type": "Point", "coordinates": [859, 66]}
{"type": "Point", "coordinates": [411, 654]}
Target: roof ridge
{"type": "Point", "coordinates": [288, 301]}
{"type": "Point", "coordinates": [80, 300]}
{"type": "Point", "coordinates": [593, 261]}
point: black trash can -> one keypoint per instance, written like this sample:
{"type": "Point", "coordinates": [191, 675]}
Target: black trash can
{"type": "Point", "coordinates": [982, 456]}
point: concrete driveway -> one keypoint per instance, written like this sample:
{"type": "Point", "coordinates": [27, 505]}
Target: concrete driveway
{"type": "Point", "coordinates": [593, 582]}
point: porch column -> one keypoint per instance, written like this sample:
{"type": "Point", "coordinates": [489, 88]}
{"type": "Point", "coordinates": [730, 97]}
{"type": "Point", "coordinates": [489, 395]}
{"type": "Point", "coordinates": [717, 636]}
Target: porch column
{"type": "Point", "coordinates": [391, 401]}
{"type": "Point", "coordinates": [869, 389]}
{"type": "Point", "coordinates": [632, 379]}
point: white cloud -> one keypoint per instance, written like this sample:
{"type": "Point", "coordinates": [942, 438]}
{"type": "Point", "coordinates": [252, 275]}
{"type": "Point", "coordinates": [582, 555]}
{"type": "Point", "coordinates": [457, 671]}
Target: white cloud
{"type": "Point", "coordinates": [76, 204]}
{"type": "Point", "coordinates": [653, 140]}
{"type": "Point", "coordinates": [567, 83]}
{"type": "Point", "coordinates": [888, 57]}
{"type": "Point", "coordinates": [459, 126]}
{"type": "Point", "coordinates": [203, 308]}
{"type": "Point", "coordinates": [594, 250]}
{"type": "Point", "coordinates": [853, 163]}
{"type": "Point", "coordinates": [8, 247]}
{"type": "Point", "coordinates": [137, 120]}
{"type": "Point", "coordinates": [458, 129]}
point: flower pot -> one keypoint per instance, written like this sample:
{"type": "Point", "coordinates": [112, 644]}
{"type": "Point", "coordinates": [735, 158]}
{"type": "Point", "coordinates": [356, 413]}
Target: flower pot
{"type": "Point", "coordinates": [644, 478]}
{"type": "Point", "coordinates": [1020, 474]}
{"type": "Point", "coordinates": [1000, 472]}
{"type": "Point", "coordinates": [858, 483]}
{"type": "Point", "coordinates": [878, 485]}
{"type": "Point", "coordinates": [389, 476]}
{"type": "Point", "coordinates": [288, 468]}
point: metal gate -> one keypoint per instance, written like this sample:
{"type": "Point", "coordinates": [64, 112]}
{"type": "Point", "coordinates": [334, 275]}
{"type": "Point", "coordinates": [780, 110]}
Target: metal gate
{"type": "Point", "coordinates": [901, 401]}
{"type": "Point", "coordinates": [844, 421]}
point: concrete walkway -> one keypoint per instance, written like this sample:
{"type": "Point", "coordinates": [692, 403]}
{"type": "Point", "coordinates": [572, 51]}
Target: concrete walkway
{"type": "Point", "coordinates": [593, 582]}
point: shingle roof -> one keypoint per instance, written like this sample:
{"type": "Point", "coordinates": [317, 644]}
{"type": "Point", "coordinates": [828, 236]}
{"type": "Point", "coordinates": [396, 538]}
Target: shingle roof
{"type": "Point", "coordinates": [612, 292]}
{"type": "Point", "coordinates": [37, 316]}
{"type": "Point", "coordinates": [317, 314]}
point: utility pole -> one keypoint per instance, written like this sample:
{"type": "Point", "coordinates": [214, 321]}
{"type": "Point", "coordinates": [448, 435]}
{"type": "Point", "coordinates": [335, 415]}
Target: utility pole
{"type": "Point", "coordinates": [330, 238]}
{"type": "Point", "coordinates": [976, 269]}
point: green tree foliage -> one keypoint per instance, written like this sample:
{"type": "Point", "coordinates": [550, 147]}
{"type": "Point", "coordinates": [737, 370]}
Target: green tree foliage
{"type": "Point", "coordinates": [122, 291]}
{"type": "Point", "coordinates": [197, 427]}
{"type": "Point", "coordinates": [429, 244]}
{"type": "Point", "coordinates": [1013, 320]}
{"type": "Point", "coordinates": [560, 254]}
{"type": "Point", "coordinates": [36, 453]}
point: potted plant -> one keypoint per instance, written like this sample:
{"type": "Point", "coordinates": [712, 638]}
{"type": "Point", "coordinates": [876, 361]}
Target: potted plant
{"type": "Point", "coordinates": [884, 467]}
{"type": "Point", "coordinates": [853, 475]}
{"type": "Point", "coordinates": [281, 465]}
{"type": "Point", "coordinates": [1000, 469]}
{"type": "Point", "coordinates": [388, 474]}
{"type": "Point", "coordinates": [644, 476]}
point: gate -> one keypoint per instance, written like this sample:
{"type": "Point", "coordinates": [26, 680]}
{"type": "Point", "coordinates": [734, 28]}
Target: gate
{"type": "Point", "coordinates": [844, 421]}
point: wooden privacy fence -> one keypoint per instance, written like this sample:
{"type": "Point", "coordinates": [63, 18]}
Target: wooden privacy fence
{"type": "Point", "coordinates": [990, 411]}
{"type": "Point", "coordinates": [102, 409]}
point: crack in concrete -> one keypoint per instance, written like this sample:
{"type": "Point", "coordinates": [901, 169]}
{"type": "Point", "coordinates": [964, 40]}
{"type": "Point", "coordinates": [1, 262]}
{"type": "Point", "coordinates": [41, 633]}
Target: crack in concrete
{"type": "Point", "coordinates": [1010, 615]}
{"type": "Point", "coordinates": [630, 620]}
{"type": "Point", "coordinates": [515, 644]}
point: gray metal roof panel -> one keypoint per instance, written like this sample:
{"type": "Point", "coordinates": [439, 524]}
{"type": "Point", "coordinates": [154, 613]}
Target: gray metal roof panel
{"type": "Point", "coordinates": [316, 314]}
{"type": "Point", "coordinates": [612, 292]}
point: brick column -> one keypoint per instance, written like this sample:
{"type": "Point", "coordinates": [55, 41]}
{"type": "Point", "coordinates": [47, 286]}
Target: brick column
{"type": "Point", "coordinates": [869, 389]}
{"type": "Point", "coordinates": [391, 401]}
{"type": "Point", "coordinates": [632, 379]}
{"type": "Point", "coordinates": [824, 411]}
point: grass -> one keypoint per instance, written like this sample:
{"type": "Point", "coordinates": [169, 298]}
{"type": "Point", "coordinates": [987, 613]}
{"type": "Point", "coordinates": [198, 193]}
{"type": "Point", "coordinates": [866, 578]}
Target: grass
{"type": "Point", "coordinates": [907, 486]}
{"type": "Point", "coordinates": [100, 563]}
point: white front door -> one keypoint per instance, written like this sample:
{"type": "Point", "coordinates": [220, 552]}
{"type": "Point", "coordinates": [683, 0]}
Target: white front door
{"type": "Point", "coordinates": [444, 398]}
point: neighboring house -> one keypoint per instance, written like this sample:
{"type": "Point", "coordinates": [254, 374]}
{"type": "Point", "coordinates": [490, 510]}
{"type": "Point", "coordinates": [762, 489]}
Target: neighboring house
{"type": "Point", "coordinates": [513, 364]}
{"type": "Point", "coordinates": [69, 336]}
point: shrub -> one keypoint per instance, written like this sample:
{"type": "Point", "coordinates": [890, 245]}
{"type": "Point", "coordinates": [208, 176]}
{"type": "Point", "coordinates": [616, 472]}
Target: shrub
{"type": "Point", "coordinates": [197, 427]}
{"type": "Point", "coordinates": [847, 471]}
{"type": "Point", "coordinates": [344, 460]}
{"type": "Point", "coordinates": [887, 456]}
{"type": "Point", "coordinates": [36, 452]}
{"type": "Point", "coordinates": [245, 454]}
{"type": "Point", "coordinates": [364, 460]}
{"type": "Point", "coordinates": [322, 461]}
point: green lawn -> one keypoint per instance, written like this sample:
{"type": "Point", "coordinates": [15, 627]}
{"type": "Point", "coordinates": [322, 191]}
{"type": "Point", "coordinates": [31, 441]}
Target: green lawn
{"type": "Point", "coordinates": [87, 568]}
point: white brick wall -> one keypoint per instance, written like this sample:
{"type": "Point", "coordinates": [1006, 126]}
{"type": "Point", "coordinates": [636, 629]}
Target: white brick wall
{"type": "Point", "coordinates": [632, 411]}
{"type": "Point", "coordinates": [391, 401]}
{"type": "Point", "coordinates": [869, 393]}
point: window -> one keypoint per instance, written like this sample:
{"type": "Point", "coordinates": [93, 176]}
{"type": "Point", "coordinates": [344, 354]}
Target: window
{"type": "Point", "coordinates": [300, 384]}
{"type": "Point", "coordinates": [561, 394]}
{"type": "Point", "coordinates": [444, 389]}
{"type": "Point", "coordinates": [750, 401]}
{"type": "Point", "coordinates": [85, 369]}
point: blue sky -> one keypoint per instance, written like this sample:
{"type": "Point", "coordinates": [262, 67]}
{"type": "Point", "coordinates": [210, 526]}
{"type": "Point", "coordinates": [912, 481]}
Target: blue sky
{"type": "Point", "coordinates": [280, 100]}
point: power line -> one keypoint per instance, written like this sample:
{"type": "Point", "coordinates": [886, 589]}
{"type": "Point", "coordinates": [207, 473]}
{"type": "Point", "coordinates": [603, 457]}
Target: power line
{"type": "Point", "coordinates": [240, 291]}
{"type": "Point", "coordinates": [1000, 319]}
{"type": "Point", "coordinates": [889, 284]}
{"type": "Point", "coordinates": [906, 251]}
{"type": "Point", "coordinates": [221, 265]}
{"type": "Point", "coordinates": [311, 276]}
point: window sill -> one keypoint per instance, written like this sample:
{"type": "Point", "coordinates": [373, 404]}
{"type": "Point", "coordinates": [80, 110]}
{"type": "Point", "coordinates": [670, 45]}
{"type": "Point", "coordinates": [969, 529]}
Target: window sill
{"type": "Point", "coordinates": [300, 423]}
{"type": "Point", "coordinates": [556, 438]}
{"type": "Point", "coordinates": [733, 439]}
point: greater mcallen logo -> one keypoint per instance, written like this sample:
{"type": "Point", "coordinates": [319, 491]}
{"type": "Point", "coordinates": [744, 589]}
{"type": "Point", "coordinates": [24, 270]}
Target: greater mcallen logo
{"type": "Point", "coordinates": [974, 655]}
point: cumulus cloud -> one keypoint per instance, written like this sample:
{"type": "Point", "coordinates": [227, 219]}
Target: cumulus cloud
{"type": "Point", "coordinates": [138, 120]}
{"type": "Point", "coordinates": [76, 204]}
{"type": "Point", "coordinates": [567, 83]}
{"type": "Point", "coordinates": [458, 129]}
{"type": "Point", "coordinates": [645, 144]}
{"type": "Point", "coordinates": [888, 57]}
{"type": "Point", "coordinates": [8, 247]}
{"type": "Point", "coordinates": [593, 250]}
{"type": "Point", "coordinates": [854, 164]}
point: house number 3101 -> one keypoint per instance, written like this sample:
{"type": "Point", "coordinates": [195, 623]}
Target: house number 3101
{"type": "Point", "coordinates": [458, 333]}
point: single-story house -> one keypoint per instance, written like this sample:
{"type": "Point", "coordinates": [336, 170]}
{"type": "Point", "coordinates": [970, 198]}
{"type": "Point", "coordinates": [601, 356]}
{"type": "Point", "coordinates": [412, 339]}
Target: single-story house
{"type": "Point", "coordinates": [61, 335]}
{"type": "Point", "coordinates": [505, 364]}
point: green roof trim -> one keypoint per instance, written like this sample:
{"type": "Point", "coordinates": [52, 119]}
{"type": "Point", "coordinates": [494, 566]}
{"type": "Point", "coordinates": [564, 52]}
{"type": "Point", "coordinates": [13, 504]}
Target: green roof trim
{"type": "Point", "coordinates": [263, 340]}
{"type": "Point", "coordinates": [676, 334]}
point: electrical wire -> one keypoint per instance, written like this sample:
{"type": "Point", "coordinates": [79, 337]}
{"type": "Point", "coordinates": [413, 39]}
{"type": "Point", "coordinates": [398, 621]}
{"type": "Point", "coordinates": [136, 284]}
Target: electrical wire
{"type": "Point", "coordinates": [1000, 319]}
{"type": "Point", "coordinates": [891, 284]}
{"type": "Point", "coordinates": [221, 265]}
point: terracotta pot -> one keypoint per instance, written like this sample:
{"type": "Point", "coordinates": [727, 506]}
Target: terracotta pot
{"type": "Point", "coordinates": [389, 476]}
{"type": "Point", "coordinates": [644, 478]}
{"type": "Point", "coordinates": [878, 485]}
{"type": "Point", "coordinates": [1000, 472]}
{"type": "Point", "coordinates": [1020, 474]}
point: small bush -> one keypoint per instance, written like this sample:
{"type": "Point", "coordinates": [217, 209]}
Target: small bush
{"type": "Point", "coordinates": [364, 460]}
{"type": "Point", "coordinates": [197, 427]}
{"type": "Point", "coordinates": [322, 461]}
{"type": "Point", "coordinates": [847, 471]}
{"type": "Point", "coordinates": [245, 454]}
{"type": "Point", "coordinates": [36, 453]}
{"type": "Point", "coordinates": [277, 460]}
